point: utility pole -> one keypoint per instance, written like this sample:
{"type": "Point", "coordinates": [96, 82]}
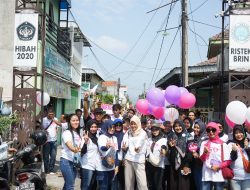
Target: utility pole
{"type": "Point", "coordinates": [184, 48]}
{"type": "Point", "coordinates": [118, 90]}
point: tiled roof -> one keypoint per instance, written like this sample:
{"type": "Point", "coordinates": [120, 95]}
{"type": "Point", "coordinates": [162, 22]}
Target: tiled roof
{"type": "Point", "coordinates": [109, 83]}
{"type": "Point", "coordinates": [218, 36]}
{"type": "Point", "coordinates": [211, 61]}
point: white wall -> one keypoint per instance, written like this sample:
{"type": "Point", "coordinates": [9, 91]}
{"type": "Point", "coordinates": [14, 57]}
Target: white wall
{"type": "Point", "coordinates": [7, 19]}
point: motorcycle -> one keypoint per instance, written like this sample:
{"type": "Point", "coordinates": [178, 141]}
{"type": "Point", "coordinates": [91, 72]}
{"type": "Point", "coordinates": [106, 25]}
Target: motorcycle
{"type": "Point", "coordinates": [31, 175]}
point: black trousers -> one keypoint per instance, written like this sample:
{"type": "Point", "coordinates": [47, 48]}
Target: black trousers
{"type": "Point", "coordinates": [154, 176]}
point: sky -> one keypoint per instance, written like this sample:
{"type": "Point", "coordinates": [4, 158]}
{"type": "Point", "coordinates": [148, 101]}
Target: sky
{"type": "Point", "coordinates": [131, 44]}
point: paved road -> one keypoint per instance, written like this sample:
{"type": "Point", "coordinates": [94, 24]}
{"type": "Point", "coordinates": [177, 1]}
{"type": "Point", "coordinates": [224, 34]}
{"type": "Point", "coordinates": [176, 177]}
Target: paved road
{"type": "Point", "coordinates": [56, 181]}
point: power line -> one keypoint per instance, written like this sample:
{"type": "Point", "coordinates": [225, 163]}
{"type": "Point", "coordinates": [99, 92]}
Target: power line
{"type": "Point", "coordinates": [172, 43]}
{"type": "Point", "coordinates": [195, 36]}
{"type": "Point", "coordinates": [198, 7]}
{"type": "Point", "coordinates": [198, 36]}
{"type": "Point", "coordinates": [162, 41]}
{"type": "Point", "coordinates": [162, 6]}
{"type": "Point", "coordinates": [149, 48]}
{"type": "Point", "coordinates": [99, 63]}
{"type": "Point", "coordinates": [137, 39]}
{"type": "Point", "coordinates": [116, 57]}
{"type": "Point", "coordinates": [205, 23]}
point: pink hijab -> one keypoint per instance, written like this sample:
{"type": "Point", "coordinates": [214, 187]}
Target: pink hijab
{"type": "Point", "coordinates": [216, 139]}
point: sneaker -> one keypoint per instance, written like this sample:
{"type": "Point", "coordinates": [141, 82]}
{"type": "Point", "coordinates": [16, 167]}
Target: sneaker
{"type": "Point", "coordinates": [51, 173]}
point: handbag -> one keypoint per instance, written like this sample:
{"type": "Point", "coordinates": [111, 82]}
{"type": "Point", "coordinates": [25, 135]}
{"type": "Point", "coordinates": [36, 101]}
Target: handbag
{"type": "Point", "coordinates": [154, 160]}
{"type": "Point", "coordinates": [227, 172]}
{"type": "Point", "coordinates": [246, 162]}
{"type": "Point", "coordinates": [108, 161]}
{"type": "Point", "coordinates": [77, 157]}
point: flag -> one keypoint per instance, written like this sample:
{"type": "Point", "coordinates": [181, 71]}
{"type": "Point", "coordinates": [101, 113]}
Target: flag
{"type": "Point", "coordinates": [93, 90]}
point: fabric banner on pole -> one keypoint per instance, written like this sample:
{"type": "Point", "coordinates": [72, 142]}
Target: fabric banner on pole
{"type": "Point", "coordinates": [239, 43]}
{"type": "Point", "coordinates": [25, 40]}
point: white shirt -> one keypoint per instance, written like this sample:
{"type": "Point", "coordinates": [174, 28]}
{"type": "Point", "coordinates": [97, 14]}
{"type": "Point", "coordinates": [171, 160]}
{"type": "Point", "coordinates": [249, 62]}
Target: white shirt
{"type": "Point", "coordinates": [67, 137]}
{"type": "Point", "coordinates": [102, 141]}
{"type": "Point", "coordinates": [237, 165]}
{"type": "Point", "coordinates": [113, 117]}
{"type": "Point", "coordinates": [139, 141]}
{"type": "Point", "coordinates": [157, 150]}
{"type": "Point", "coordinates": [64, 126]}
{"type": "Point", "coordinates": [91, 160]}
{"type": "Point", "coordinates": [52, 129]}
{"type": "Point", "coordinates": [214, 158]}
{"type": "Point", "coordinates": [224, 138]}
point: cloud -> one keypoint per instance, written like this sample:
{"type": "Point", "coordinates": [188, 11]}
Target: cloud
{"type": "Point", "coordinates": [112, 44]}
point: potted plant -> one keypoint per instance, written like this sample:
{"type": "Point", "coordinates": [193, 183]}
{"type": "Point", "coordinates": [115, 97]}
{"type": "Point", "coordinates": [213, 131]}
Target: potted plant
{"type": "Point", "coordinates": [5, 122]}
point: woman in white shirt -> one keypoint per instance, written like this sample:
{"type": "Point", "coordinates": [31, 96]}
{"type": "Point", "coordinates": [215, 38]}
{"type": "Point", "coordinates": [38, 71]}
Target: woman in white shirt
{"type": "Point", "coordinates": [71, 144]}
{"type": "Point", "coordinates": [90, 154]}
{"type": "Point", "coordinates": [134, 145]}
{"type": "Point", "coordinates": [157, 148]}
{"type": "Point", "coordinates": [108, 146]}
{"type": "Point", "coordinates": [210, 154]}
{"type": "Point", "coordinates": [240, 148]}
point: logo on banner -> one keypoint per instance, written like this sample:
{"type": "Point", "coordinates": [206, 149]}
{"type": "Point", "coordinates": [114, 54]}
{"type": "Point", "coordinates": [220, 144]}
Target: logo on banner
{"type": "Point", "coordinates": [241, 33]}
{"type": "Point", "coordinates": [26, 31]}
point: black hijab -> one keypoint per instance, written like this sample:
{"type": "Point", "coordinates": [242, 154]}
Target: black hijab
{"type": "Point", "coordinates": [92, 136]}
{"type": "Point", "coordinates": [241, 129]}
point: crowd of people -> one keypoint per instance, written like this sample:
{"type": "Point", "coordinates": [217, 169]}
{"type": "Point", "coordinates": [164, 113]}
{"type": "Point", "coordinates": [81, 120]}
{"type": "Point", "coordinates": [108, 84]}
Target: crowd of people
{"type": "Point", "coordinates": [130, 152]}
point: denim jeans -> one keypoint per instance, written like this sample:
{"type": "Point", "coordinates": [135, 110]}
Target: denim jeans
{"type": "Point", "coordinates": [197, 175]}
{"type": "Point", "coordinates": [240, 184]}
{"type": "Point", "coordinates": [69, 174]}
{"type": "Point", "coordinates": [86, 179]}
{"type": "Point", "coordinates": [49, 156]}
{"type": "Point", "coordinates": [104, 179]}
{"type": "Point", "coordinates": [208, 185]}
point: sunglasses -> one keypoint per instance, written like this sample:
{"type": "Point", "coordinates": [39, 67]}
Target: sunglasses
{"type": "Point", "coordinates": [118, 125]}
{"type": "Point", "coordinates": [211, 129]}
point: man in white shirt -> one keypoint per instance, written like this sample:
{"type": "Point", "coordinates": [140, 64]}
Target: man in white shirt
{"type": "Point", "coordinates": [50, 125]}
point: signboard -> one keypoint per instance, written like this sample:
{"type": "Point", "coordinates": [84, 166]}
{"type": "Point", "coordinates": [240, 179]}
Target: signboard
{"type": "Point", "coordinates": [25, 40]}
{"type": "Point", "coordinates": [107, 108]}
{"type": "Point", "coordinates": [239, 43]}
{"type": "Point", "coordinates": [62, 89]}
{"type": "Point", "coordinates": [85, 87]}
{"type": "Point", "coordinates": [56, 63]}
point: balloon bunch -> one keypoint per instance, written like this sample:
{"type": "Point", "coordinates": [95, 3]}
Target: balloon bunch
{"type": "Point", "coordinates": [237, 113]}
{"type": "Point", "coordinates": [157, 100]}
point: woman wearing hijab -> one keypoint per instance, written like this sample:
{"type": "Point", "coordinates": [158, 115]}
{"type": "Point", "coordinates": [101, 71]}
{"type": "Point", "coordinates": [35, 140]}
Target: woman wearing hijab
{"type": "Point", "coordinates": [211, 155]}
{"type": "Point", "coordinates": [179, 169]}
{"type": "Point", "coordinates": [193, 152]}
{"type": "Point", "coordinates": [240, 149]}
{"type": "Point", "coordinates": [189, 126]}
{"type": "Point", "coordinates": [90, 154]}
{"type": "Point", "coordinates": [108, 147]}
{"type": "Point", "coordinates": [134, 145]}
{"type": "Point", "coordinates": [119, 183]}
{"type": "Point", "coordinates": [223, 136]}
{"type": "Point", "coordinates": [156, 149]}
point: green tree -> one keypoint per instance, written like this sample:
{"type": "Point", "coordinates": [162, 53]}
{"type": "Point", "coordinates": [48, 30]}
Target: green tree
{"type": "Point", "coordinates": [107, 99]}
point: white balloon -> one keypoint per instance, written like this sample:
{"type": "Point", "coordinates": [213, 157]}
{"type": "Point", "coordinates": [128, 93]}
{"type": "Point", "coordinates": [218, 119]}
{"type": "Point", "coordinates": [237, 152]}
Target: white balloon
{"type": "Point", "coordinates": [236, 112]}
{"type": "Point", "coordinates": [171, 114]}
{"type": "Point", "coordinates": [248, 114]}
{"type": "Point", "coordinates": [46, 98]}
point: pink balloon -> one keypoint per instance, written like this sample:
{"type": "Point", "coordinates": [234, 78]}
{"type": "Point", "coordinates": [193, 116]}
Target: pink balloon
{"type": "Point", "coordinates": [158, 112]}
{"type": "Point", "coordinates": [183, 90]}
{"type": "Point", "coordinates": [229, 122]}
{"type": "Point", "coordinates": [142, 106]}
{"type": "Point", "coordinates": [187, 101]}
{"type": "Point", "coordinates": [247, 123]}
